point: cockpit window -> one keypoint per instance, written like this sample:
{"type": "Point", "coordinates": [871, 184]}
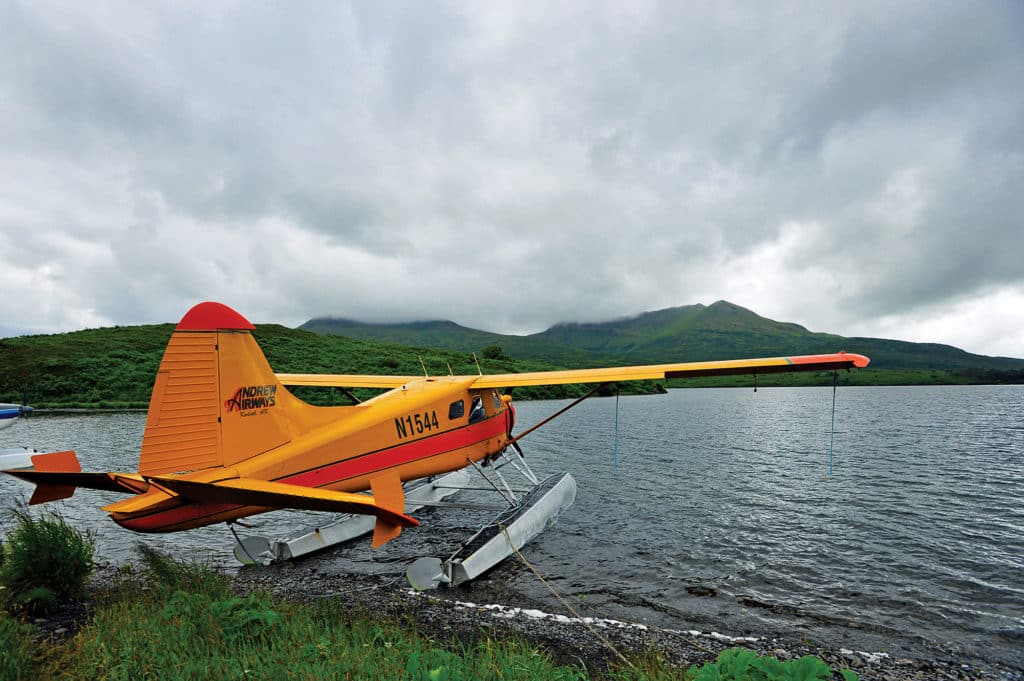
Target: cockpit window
{"type": "Point", "coordinates": [497, 400]}
{"type": "Point", "coordinates": [456, 410]}
{"type": "Point", "coordinates": [476, 412]}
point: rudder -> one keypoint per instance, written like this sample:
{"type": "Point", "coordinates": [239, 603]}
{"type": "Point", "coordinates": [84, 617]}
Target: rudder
{"type": "Point", "coordinates": [215, 399]}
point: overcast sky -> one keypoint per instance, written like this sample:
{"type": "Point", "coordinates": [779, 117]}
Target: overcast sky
{"type": "Point", "coordinates": [854, 167]}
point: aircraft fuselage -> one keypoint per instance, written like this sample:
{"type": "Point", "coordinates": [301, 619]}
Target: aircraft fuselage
{"type": "Point", "coordinates": [424, 428]}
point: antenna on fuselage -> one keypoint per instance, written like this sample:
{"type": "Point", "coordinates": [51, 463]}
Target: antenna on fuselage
{"type": "Point", "coordinates": [425, 374]}
{"type": "Point", "coordinates": [478, 369]}
{"type": "Point", "coordinates": [450, 372]}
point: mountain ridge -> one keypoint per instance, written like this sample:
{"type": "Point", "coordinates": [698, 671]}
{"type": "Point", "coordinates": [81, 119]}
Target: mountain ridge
{"type": "Point", "coordinates": [690, 332]}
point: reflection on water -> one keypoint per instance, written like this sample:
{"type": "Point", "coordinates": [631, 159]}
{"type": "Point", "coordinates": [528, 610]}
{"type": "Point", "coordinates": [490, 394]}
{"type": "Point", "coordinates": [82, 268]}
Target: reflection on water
{"type": "Point", "coordinates": [917, 539]}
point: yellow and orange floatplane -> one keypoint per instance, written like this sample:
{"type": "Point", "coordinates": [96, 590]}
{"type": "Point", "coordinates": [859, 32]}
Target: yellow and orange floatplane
{"type": "Point", "coordinates": [225, 439]}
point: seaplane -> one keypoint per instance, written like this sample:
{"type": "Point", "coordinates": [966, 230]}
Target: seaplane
{"type": "Point", "coordinates": [225, 439]}
{"type": "Point", "coordinates": [14, 457]}
{"type": "Point", "coordinates": [9, 413]}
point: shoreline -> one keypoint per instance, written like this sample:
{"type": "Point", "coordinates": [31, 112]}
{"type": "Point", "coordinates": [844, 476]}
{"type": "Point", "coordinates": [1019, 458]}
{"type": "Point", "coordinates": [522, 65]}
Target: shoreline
{"type": "Point", "coordinates": [467, 614]}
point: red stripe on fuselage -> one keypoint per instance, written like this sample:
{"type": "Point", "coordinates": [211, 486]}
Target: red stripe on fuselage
{"type": "Point", "coordinates": [399, 454]}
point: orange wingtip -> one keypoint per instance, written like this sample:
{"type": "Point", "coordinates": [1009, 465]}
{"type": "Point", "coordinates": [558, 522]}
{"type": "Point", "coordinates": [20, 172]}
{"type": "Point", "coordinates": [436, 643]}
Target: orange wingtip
{"type": "Point", "coordinates": [857, 361]}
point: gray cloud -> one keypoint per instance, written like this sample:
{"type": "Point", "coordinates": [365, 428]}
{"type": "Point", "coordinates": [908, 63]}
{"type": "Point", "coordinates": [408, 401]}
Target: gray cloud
{"type": "Point", "coordinates": [852, 168]}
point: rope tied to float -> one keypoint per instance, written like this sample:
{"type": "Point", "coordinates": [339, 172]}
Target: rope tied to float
{"type": "Point", "coordinates": [565, 603]}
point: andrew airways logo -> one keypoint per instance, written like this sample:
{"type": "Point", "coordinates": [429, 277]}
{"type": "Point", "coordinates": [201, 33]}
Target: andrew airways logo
{"type": "Point", "coordinates": [251, 397]}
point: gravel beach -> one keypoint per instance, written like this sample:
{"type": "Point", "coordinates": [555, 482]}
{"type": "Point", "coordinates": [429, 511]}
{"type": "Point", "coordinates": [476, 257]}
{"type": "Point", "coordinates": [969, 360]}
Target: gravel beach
{"type": "Point", "coordinates": [485, 608]}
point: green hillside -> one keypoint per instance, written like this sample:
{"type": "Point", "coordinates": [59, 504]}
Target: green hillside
{"type": "Point", "coordinates": [698, 332]}
{"type": "Point", "coordinates": [115, 367]}
{"type": "Point", "coordinates": [449, 335]}
{"type": "Point", "coordinates": [725, 330]}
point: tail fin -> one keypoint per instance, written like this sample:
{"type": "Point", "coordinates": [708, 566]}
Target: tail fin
{"type": "Point", "coordinates": [216, 400]}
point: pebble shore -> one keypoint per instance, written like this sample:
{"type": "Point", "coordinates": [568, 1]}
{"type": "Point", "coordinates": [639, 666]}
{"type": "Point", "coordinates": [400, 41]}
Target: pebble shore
{"type": "Point", "coordinates": [482, 609]}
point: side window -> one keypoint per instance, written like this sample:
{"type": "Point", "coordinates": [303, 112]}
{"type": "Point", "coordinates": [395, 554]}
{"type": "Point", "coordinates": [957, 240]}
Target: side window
{"type": "Point", "coordinates": [476, 412]}
{"type": "Point", "coordinates": [497, 400]}
{"type": "Point", "coordinates": [456, 410]}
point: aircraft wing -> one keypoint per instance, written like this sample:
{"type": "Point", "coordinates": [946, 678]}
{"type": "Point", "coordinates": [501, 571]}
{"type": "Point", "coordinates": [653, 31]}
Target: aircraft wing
{"type": "Point", "coordinates": [764, 365]}
{"type": "Point", "coordinates": [839, 360]}
{"type": "Point", "coordinates": [346, 380]}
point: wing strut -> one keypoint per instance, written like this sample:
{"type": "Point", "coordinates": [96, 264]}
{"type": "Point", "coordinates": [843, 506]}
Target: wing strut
{"type": "Point", "coordinates": [554, 416]}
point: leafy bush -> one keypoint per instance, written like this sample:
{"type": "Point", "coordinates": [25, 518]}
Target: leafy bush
{"type": "Point", "coordinates": [44, 559]}
{"type": "Point", "coordinates": [494, 352]}
{"type": "Point", "coordinates": [738, 664]}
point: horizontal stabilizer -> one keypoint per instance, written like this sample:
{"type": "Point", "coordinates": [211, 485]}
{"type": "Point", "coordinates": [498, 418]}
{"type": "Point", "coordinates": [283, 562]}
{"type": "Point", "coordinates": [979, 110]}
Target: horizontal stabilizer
{"type": "Point", "coordinates": [250, 492]}
{"type": "Point", "coordinates": [54, 485]}
{"type": "Point", "coordinates": [57, 474]}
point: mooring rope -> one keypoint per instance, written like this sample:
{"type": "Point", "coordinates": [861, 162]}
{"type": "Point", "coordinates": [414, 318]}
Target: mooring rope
{"type": "Point", "coordinates": [832, 438]}
{"type": "Point", "coordinates": [231, 526]}
{"type": "Point", "coordinates": [588, 625]}
{"type": "Point", "coordinates": [615, 452]}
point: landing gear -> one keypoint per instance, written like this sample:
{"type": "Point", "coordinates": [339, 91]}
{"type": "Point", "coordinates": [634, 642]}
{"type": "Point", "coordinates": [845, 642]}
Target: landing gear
{"type": "Point", "coordinates": [524, 511]}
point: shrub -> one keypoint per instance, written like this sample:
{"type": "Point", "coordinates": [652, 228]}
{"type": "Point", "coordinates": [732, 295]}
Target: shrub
{"type": "Point", "coordinates": [44, 559]}
{"type": "Point", "coordinates": [738, 664]}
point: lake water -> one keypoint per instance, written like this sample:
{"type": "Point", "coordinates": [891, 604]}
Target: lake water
{"type": "Point", "coordinates": [721, 514]}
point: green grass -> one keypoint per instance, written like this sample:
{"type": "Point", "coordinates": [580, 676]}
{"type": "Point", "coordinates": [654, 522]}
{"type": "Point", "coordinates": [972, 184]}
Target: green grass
{"type": "Point", "coordinates": [181, 620]}
{"type": "Point", "coordinates": [44, 561]}
{"type": "Point", "coordinates": [17, 650]}
{"type": "Point", "coordinates": [193, 635]}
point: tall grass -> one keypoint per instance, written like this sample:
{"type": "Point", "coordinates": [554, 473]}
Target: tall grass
{"type": "Point", "coordinates": [45, 560]}
{"type": "Point", "coordinates": [166, 575]}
